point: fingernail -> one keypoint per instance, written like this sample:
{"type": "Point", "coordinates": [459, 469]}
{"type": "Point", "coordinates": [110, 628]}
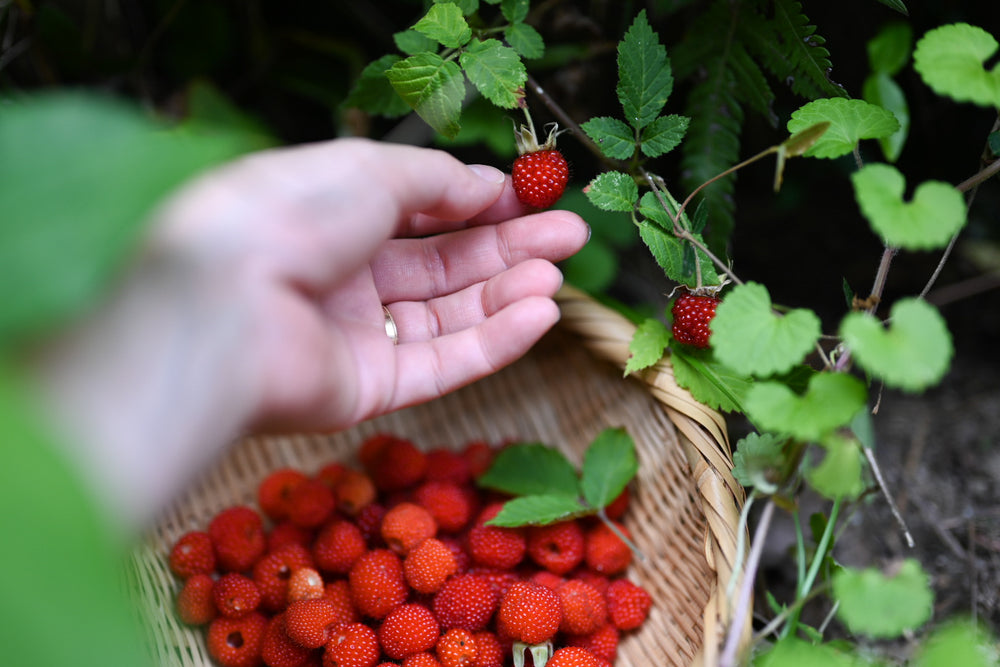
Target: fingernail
{"type": "Point", "coordinates": [487, 173]}
{"type": "Point", "coordinates": [590, 232]}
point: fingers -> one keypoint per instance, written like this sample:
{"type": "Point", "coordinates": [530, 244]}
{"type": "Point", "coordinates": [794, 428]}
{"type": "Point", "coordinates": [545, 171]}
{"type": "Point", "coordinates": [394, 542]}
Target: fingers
{"type": "Point", "coordinates": [420, 269]}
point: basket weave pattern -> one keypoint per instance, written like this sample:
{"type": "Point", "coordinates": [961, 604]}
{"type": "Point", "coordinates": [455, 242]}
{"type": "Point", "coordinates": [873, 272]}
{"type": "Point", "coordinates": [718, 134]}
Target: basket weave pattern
{"type": "Point", "coordinates": [684, 509]}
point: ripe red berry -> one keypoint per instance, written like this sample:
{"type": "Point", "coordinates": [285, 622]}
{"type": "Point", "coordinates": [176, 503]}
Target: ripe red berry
{"type": "Point", "coordinates": [238, 538]}
{"type": "Point", "coordinates": [275, 491]}
{"type": "Point", "coordinates": [428, 565]}
{"type": "Point", "coordinates": [406, 525]}
{"type": "Point", "coordinates": [557, 547]}
{"type": "Point", "coordinates": [235, 595]}
{"type": "Point", "coordinates": [393, 463]}
{"type": "Point", "coordinates": [285, 532]}
{"type": "Point", "coordinates": [352, 645]}
{"type": "Point", "coordinates": [495, 546]}
{"type": "Point", "coordinates": [274, 570]}
{"type": "Point", "coordinates": [408, 629]}
{"type": "Point", "coordinates": [692, 315]}
{"type": "Point", "coordinates": [305, 583]}
{"type": "Point", "coordinates": [489, 652]}
{"type": "Point", "coordinates": [606, 553]}
{"type": "Point", "coordinates": [450, 504]}
{"type": "Point", "coordinates": [540, 178]}
{"type": "Point", "coordinates": [309, 622]}
{"type": "Point", "coordinates": [628, 604]}
{"type": "Point", "coordinates": [277, 649]}
{"type": "Point", "coordinates": [194, 601]}
{"type": "Point", "coordinates": [311, 503]}
{"type": "Point", "coordinates": [529, 613]}
{"type": "Point", "coordinates": [465, 601]}
{"type": "Point", "coordinates": [603, 642]}
{"type": "Point", "coordinates": [337, 546]}
{"type": "Point", "coordinates": [447, 465]}
{"type": "Point", "coordinates": [377, 583]}
{"type": "Point", "coordinates": [583, 607]}
{"type": "Point", "coordinates": [573, 656]}
{"type": "Point", "coordinates": [236, 642]}
{"type": "Point", "coordinates": [192, 554]}
{"type": "Point", "coordinates": [456, 648]}
{"type": "Point", "coordinates": [339, 593]}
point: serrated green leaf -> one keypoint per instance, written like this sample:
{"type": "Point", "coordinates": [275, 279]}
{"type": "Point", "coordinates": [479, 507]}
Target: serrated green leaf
{"type": "Point", "coordinates": [958, 642]}
{"type": "Point", "coordinates": [645, 79]}
{"type": "Point", "coordinates": [663, 135]}
{"type": "Point", "coordinates": [433, 87]}
{"type": "Point", "coordinates": [935, 214]}
{"type": "Point", "coordinates": [896, 5]}
{"type": "Point", "coordinates": [889, 50]}
{"type": "Point", "coordinates": [675, 256]}
{"type": "Point", "coordinates": [851, 120]}
{"type": "Point", "coordinates": [609, 465]}
{"type": "Point", "coordinates": [468, 7]}
{"type": "Point", "coordinates": [882, 90]}
{"type": "Point", "coordinates": [751, 339]}
{"type": "Point", "coordinates": [838, 475]}
{"type": "Point", "coordinates": [515, 11]}
{"type": "Point", "coordinates": [757, 460]}
{"type": "Point", "coordinates": [495, 70]}
{"type": "Point", "coordinates": [373, 93]}
{"type": "Point", "coordinates": [612, 136]}
{"type": "Point", "coordinates": [613, 191]}
{"type": "Point", "coordinates": [710, 382]}
{"type": "Point", "coordinates": [525, 40]}
{"type": "Point", "coordinates": [647, 345]}
{"type": "Point", "coordinates": [912, 354]}
{"type": "Point", "coordinates": [794, 652]}
{"type": "Point", "coordinates": [539, 510]}
{"type": "Point", "coordinates": [883, 605]}
{"type": "Point", "coordinates": [445, 24]}
{"type": "Point", "coordinates": [412, 42]}
{"type": "Point", "coordinates": [830, 401]}
{"type": "Point", "coordinates": [526, 469]}
{"type": "Point", "coordinates": [950, 59]}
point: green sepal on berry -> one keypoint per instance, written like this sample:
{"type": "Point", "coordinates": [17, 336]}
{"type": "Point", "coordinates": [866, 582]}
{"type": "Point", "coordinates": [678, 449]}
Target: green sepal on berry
{"type": "Point", "coordinates": [540, 172]}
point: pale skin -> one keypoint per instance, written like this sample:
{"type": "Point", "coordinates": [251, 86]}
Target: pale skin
{"type": "Point", "coordinates": [256, 305]}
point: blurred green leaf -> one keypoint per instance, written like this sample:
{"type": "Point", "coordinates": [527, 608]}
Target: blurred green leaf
{"type": "Point", "coordinates": [830, 402]}
{"type": "Point", "coordinates": [412, 42]}
{"type": "Point", "coordinates": [838, 475]}
{"type": "Point", "coordinates": [889, 50]}
{"type": "Point", "coordinates": [951, 60]}
{"type": "Point", "coordinates": [609, 464]}
{"type": "Point", "coordinates": [710, 382]}
{"type": "Point", "coordinates": [958, 642]}
{"type": "Point", "coordinates": [794, 652]}
{"type": "Point", "coordinates": [525, 469]}
{"type": "Point", "coordinates": [539, 510]}
{"type": "Point", "coordinates": [877, 604]}
{"type": "Point", "coordinates": [881, 89]}
{"type": "Point", "coordinates": [756, 460]}
{"type": "Point", "coordinates": [515, 11]}
{"type": "Point", "coordinates": [647, 345]}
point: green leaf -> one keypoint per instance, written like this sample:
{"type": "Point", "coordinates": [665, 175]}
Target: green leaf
{"type": "Point", "coordinates": [71, 221]}
{"type": "Point", "coordinates": [676, 256]}
{"type": "Point", "coordinates": [758, 460]}
{"type": "Point", "coordinates": [525, 40]}
{"type": "Point", "coordinates": [515, 11]}
{"type": "Point", "coordinates": [531, 469]}
{"type": "Point", "coordinates": [958, 642]}
{"type": "Point", "coordinates": [912, 354]}
{"type": "Point", "coordinates": [373, 93]}
{"type": "Point", "coordinates": [663, 134]}
{"type": "Point", "coordinates": [830, 401]}
{"type": "Point", "coordinates": [751, 339]}
{"type": "Point", "coordinates": [613, 191]}
{"type": "Point", "coordinates": [645, 79]}
{"type": "Point", "coordinates": [468, 7]}
{"type": "Point", "coordinates": [412, 42]}
{"type": "Point", "coordinates": [539, 510]}
{"type": "Point", "coordinates": [445, 24]}
{"type": "Point", "coordinates": [889, 50]}
{"type": "Point", "coordinates": [896, 5]}
{"type": "Point", "coordinates": [647, 345]}
{"type": "Point", "coordinates": [609, 465]}
{"type": "Point", "coordinates": [613, 137]}
{"type": "Point", "coordinates": [850, 120]}
{"type": "Point", "coordinates": [839, 473]}
{"type": "Point", "coordinates": [593, 268]}
{"type": "Point", "coordinates": [951, 58]}
{"type": "Point", "coordinates": [710, 382]}
{"type": "Point", "coordinates": [433, 87]}
{"type": "Point", "coordinates": [883, 605]}
{"type": "Point", "coordinates": [794, 652]}
{"type": "Point", "coordinates": [495, 70]}
{"type": "Point", "coordinates": [882, 90]}
{"type": "Point", "coordinates": [936, 213]}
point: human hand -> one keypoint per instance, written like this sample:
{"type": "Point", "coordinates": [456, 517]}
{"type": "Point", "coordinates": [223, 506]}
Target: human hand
{"type": "Point", "coordinates": [258, 304]}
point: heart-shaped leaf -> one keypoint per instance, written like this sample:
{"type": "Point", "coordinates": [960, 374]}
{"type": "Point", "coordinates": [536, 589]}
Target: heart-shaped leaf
{"type": "Point", "coordinates": [912, 354]}
{"type": "Point", "coordinates": [838, 475]}
{"type": "Point", "coordinates": [880, 605]}
{"type": "Point", "coordinates": [751, 339]}
{"type": "Point", "coordinates": [935, 214]}
{"type": "Point", "coordinates": [851, 120]}
{"type": "Point", "coordinates": [831, 400]}
{"type": "Point", "coordinates": [951, 58]}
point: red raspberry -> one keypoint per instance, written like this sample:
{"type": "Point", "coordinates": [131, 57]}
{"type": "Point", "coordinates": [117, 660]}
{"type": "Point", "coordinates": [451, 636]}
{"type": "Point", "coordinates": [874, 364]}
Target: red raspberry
{"type": "Point", "coordinates": [603, 642]}
{"type": "Point", "coordinates": [449, 503]}
{"type": "Point", "coordinates": [558, 547]}
{"type": "Point", "coordinates": [456, 648]}
{"type": "Point", "coordinates": [331, 473]}
{"type": "Point", "coordinates": [406, 525]}
{"type": "Point", "coordinates": [447, 465]}
{"type": "Point", "coordinates": [489, 652]}
{"type": "Point", "coordinates": [692, 315]}
{"type": "Point", "coordinates": [354, 491]}
{"type": "Point", "coordinates": [285, 532]}
{"type": "Point", "coordinates": [394, 464]}
{"type": "Point", "coordinates": [540, 178]}
{"type": "Point", "coordinates": [339, 593]}
{"type": "Point", "coordinates": [422, 659]}
{"type": "Point", "coordinates": [277, 649]}
{"type": "Point", "coordinates": [369, 520]}
{"type": "Point", "coordinates": [339, 544]}
{"type": "Point", "coordinates": [573, 656]}
{"type": "Point", "coordinates": [311, 503]}
{"type": "Point", "coordinates": [606, 553]}
{"type": "Point", "coordinates": [617, 507]}
{"type": "Point", "coordinates": [529, 613]}
{"type": "Point", "coordinates": [428, 565]}
{"type": "Point", "coordinates": [495, 546]}
{"type": "Point", "coordinates": [235, 595]}
{"type": "Point", "coordinates": [547, 579]}
{"type": "Point", "coordinates": [192, 554]}
{"type": "Point", "coordinates": [595, 579]}
{"type": "Point", "coordinates": [377, 583]}
{"type": "Point", "coordinates": [305, 583]}
{"type": "Point", "coordinates": [628, 604]}
{"type": "Point", "coordinates": [194, 601]}
{"type": "Point", "coordinates": [408, 629]}
{"type": "Point", "coordinates": [465, 601]}
{"type": "Point", "coordinates": [273, 571]}
{"type": "Point", "coordinates": [274, 493]}
{"type": "Point", "coordinates": [352, 645]}
{"type": "Point", "coordinates": [479, 456]}
{"type": "Point", "coordinates": [583, 607]}
{"type": "Point", "coordinates": [309, 622]}
{"type": "Point", "coordinates": [236, 642]}
{"type": "Point", "coordinates": [500, 580]}
{"type": "Point", "coordinates": [238, 538]}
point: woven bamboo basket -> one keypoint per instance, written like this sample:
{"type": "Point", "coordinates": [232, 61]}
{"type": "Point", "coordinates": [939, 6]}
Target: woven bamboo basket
{"type": "Point", "coordinates": [684, 514]}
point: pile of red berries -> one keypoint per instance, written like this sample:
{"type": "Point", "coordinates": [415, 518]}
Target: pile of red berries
{"type": "Point", "coordinates": [392, 562]}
